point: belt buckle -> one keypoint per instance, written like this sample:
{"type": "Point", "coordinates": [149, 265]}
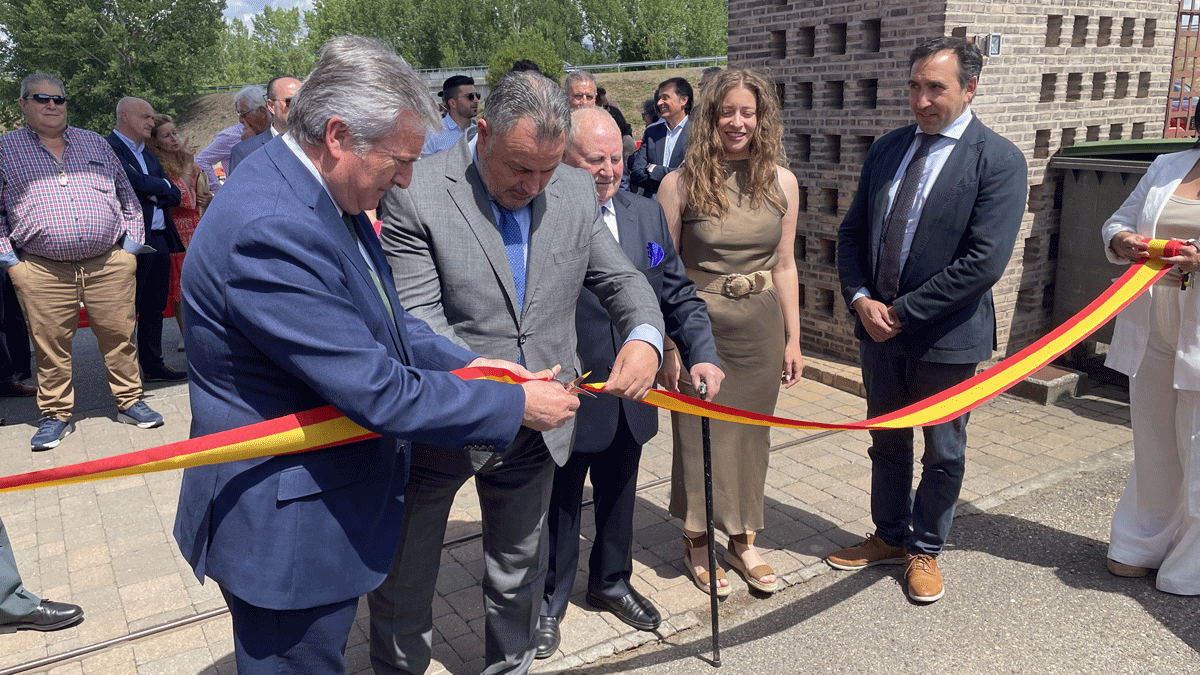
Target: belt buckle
{"type": "Point", "coordinates": [732, 289]}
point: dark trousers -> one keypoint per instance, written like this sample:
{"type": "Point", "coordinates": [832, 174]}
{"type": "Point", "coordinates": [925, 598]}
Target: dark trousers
{"type": "Point", "coordinates": [153, 282]}
{"type": "Point", "coordinates": [614, 483]}
{"type": "Point", "coordinates": [285, 641]}
{"type": "Point", "coordinates": [894, 380]}
{"type": "Point", "coordinates": [14, 338]}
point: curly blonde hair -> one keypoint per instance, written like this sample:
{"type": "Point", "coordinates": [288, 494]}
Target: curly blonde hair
{"type": "Point", "coordinates": [172, 162]}
{"type": "Point", "coordinates": [704, 167]}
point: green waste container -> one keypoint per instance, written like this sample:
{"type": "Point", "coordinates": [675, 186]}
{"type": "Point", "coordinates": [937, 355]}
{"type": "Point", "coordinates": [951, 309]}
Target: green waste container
{"type": "Point", "coordinates": [1097, 178]}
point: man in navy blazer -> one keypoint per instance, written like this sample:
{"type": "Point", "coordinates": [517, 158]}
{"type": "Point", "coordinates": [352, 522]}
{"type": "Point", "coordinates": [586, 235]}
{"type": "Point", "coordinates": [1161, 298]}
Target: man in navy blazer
{"type": "Point", "coordinates": [280, 91]}
{"type": "Point", "coordinates": [610, 431]}
{"type": "Point", "coordinates": [930, 231]}
{"type": "Point", "coordinates": [664, 143]}
{"type": "Point", "coordinates": [156, 193]}
{"type": "Point", "coordinates": [289, 305]}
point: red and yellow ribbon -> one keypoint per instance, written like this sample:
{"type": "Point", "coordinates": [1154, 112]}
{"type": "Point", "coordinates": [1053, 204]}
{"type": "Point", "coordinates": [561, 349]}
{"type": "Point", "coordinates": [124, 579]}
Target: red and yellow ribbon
{"type": "Point", "coordinates": [326, 427]}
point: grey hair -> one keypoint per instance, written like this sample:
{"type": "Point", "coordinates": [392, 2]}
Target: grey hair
{"type": "Point", "coordinates": [252, 95]}
{"type": "Point", "coordinates": [364, 83]}
{"type": "Point", "coordinates": [578, 76]}
{"type": "Point", "coordinates": [528, 94]}
{"type": "Point", "coordinates": [580, 116]}
{"type": "Point", "coordinates": [39, 78]}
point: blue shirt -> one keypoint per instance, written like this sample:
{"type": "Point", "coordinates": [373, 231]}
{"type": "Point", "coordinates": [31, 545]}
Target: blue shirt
{"type": "Point", "coordinates": [437, 141]}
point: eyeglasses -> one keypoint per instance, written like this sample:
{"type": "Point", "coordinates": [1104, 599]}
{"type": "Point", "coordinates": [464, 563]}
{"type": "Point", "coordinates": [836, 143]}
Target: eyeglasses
{"type": "Point", "coordinates": [46, 98]}
{"type": "Point", "coordinates": [473, 96]}
{"type": "Point", "coordinates": [286, 101]}
{"type": "Point", "coordinates": [250, 112]}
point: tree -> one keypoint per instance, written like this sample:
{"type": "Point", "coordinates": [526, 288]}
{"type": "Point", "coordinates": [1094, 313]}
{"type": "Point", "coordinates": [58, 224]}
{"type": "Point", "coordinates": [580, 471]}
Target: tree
{"type": "Point", "coordinates": [235, 57]}
{"type": "Point", "coordinates": [279, 48]}
{"type": "Point", "coordinates": [532, 46]}
{"type": "Point", "coordinates": [106, 49]}
{"type": "Point", "coordinates": [389, 20]}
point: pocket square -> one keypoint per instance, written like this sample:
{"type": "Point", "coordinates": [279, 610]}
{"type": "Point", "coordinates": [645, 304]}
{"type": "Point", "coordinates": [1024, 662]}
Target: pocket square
{"type": "Point", "coordinates": [656, 253]}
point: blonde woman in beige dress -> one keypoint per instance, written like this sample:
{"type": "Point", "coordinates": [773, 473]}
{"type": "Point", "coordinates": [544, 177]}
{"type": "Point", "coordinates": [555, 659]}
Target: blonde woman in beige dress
{"type": "Point", "coordinates": [732, 209]}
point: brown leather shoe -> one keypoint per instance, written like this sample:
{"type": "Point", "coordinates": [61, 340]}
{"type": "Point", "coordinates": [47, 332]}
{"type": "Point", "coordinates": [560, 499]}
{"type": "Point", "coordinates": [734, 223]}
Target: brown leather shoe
{"type": "Point", "coordinates": [1123, 570]}
{"type": "Point", "coordinates": [923, 578]}
{"type": "Point", "coordinates": [873, 551]}
{"type": "Point", "coordinates": [16, 389]}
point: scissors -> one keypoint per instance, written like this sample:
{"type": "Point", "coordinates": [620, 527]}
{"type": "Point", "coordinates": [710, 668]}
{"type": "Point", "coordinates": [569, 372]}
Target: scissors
{"type": "Point", "coordinates": [573, 387]}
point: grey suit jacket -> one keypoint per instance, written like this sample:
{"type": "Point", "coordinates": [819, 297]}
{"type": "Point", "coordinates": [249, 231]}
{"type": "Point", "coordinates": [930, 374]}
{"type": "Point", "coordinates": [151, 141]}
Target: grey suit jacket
{"type": "Point", "coordinates": [451, 271]}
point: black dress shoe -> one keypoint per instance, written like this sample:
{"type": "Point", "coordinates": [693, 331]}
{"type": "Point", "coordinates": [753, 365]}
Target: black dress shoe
{"type": "Point", "coordinates": [47, 616]}
{"type": "Point", "coordinates": [546, 637]}
{"type": "Point", "coordinates": [634, 609]}
{"type": "Point", "coordinates": [162, 374]}
{"type": "Point", "coordinates": [16, 389]}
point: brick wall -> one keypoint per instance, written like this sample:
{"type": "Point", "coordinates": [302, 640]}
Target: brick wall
{"type": "Point", "coordinates": [1069, 71]}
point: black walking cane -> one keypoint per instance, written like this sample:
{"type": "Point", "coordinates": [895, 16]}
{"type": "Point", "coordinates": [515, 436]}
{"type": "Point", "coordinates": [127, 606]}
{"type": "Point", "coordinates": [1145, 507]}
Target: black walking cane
{"type": "Point", "coordinates": [712, 549]}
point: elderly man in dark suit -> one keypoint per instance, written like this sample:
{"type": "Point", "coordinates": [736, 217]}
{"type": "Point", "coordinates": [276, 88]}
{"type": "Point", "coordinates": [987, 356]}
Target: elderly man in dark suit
{"type": "Point", "coordinates": [664, 143]}
{"type": "Point", "coordinates": [930, 231]}
{"type": "Point", "coordinates": [289, 306]}
{"type": "Point", "coordinates": [492, 245]}
{"type": "Point", "coordinates": [156, 192]}
{"type": "Point", "coordinates": [610, 431]}
{"type": "Point", "coordinates": [280, 91]}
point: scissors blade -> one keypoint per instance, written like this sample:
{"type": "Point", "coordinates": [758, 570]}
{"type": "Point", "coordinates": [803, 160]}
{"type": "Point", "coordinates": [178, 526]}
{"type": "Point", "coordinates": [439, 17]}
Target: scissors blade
{"type": "Point", "coordinates": [573, 387]}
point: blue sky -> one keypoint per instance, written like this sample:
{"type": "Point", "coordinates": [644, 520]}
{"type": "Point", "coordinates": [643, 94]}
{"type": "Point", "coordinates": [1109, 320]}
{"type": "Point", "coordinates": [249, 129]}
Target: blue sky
{"type": "Point", "coordinates": [244, 9]}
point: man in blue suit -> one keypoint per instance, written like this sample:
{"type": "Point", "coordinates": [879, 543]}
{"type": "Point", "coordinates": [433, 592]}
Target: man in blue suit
{"type": "Point", "coordinates": [289, 305]}
{"type": "Point", "coordinates": [930, 231]}
{"type": "Point", "coordinates": [664, 143]}
{"type": "Point", "coordinates": [610, 431]}
{"type": "Point", "coordinates": [156, 193]}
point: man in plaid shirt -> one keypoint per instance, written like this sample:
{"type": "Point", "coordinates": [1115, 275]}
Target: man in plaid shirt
{"type": "Point", "coordinates": [69, 226]}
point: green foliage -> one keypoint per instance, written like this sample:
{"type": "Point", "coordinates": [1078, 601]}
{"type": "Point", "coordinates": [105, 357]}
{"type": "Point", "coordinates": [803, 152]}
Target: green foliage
{"type": "Point", "coordinates": [532, 46]}
{"type": "Point", "coordinates": [278, 43]}
{"type": "Point", "coordinates": [106, 49]}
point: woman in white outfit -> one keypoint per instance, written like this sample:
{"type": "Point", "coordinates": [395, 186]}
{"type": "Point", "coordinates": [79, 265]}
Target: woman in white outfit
{"type": "Point", "coordinates": [1156, 343]}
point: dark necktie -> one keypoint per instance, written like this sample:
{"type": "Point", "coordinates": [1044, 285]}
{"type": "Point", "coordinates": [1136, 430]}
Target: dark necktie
{"type": "Point", "coordinates": [887, 280]}
{"type": "Point", "coordinates": [514, 248]}
{"type": "Point", "coordinates": [349, 221]}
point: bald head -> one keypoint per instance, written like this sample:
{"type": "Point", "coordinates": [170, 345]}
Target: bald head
{"type": "Point", "coordinates": [594, 144]}
{"type": "Point", "coordinates": [135, 119]}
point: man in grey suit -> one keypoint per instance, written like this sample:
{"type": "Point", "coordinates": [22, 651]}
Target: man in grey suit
{"type": "Point", "coordinates": [280, 91]}
{"type": "Point", "coordinates": [492, 245]}
{"type": "Point", "coordinates": [931, 229]}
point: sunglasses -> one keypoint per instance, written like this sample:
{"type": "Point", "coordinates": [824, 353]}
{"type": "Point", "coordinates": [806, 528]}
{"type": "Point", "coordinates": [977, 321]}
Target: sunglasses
{"type": "Point", "coordinates": [473, 97]}
{"type": "Point", "coordinates": [46, 98]}
{"type": "Point", "coordinates": [286, 101]}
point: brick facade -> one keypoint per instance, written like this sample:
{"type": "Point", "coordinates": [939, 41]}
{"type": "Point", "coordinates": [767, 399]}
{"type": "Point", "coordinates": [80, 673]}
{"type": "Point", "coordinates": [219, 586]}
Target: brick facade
{"type": "Point", "coordinates": [1069, 71]}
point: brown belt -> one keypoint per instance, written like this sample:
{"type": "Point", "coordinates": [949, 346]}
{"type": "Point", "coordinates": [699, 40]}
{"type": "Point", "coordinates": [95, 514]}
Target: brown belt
{"type": "Point", "coordinates": [731, 285]}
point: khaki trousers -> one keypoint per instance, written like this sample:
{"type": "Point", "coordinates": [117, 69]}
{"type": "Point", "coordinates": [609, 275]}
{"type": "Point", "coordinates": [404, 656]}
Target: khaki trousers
{"type": "Point", "coordinates": [50, 292]}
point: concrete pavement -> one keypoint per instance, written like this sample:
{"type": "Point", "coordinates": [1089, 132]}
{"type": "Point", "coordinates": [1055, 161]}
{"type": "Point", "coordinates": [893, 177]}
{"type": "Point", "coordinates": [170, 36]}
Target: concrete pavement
{"type": "Point", "coordinates": [107, 545]}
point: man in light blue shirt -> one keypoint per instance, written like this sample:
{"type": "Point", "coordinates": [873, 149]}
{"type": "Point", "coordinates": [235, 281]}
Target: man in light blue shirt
{"type": "Point", "coordinates": [461, 102]}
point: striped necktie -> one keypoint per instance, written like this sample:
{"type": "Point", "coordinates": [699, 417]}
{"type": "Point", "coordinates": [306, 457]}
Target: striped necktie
{"type": "Point", "coordinates": [887, 280]}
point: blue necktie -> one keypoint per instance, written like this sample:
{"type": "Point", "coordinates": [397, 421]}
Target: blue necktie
{"type": "Point", "coordinates": [514, 247]}
{"type": "Point", "coordinates": [887, 280]}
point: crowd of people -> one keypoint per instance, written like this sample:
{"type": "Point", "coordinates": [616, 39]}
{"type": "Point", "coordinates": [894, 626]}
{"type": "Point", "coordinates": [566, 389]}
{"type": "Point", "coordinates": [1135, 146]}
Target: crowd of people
{"type": "Point", "coordinates": [362, 246]}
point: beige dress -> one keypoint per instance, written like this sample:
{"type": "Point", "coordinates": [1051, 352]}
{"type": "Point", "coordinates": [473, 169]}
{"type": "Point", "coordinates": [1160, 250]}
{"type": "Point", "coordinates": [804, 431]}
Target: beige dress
{"type": "Point", "coordinates": [749, 338]}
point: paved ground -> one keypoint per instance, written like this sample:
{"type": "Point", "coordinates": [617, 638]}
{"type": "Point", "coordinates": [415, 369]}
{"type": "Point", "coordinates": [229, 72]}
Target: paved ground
{"type": "Point", "coordinates": [107, 545]}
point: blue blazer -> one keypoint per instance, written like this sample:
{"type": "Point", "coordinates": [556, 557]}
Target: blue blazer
{"type": "Point", "coordinates": [647, 242]}
{"type": "Point", "coordinates": [281, 315]}
{"type": "Point", "coordinates": [150, 184]}
{"type": "Point", "coordinates": [960, 248]}
{"type": "Point", "coordinates": [654, 143]}
{"type": "Point", "coordinates": [243, 149]}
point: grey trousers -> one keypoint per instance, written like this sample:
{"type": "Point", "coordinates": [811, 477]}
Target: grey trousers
{"type": "Point", "coordinates": [15, 601]}
{"type": "Point", "coordinates": [514, 495]}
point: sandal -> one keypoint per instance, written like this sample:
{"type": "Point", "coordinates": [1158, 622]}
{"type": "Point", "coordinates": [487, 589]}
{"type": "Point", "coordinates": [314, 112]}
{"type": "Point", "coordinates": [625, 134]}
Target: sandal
{"type": "Point", "coordinates": [755, 574]}
{"type": "Point", "coordinates": [700, 579]}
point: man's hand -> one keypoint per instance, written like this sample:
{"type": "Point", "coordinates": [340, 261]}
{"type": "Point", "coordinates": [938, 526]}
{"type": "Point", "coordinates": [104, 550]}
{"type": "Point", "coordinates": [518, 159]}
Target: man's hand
{"type": "Point", "coordinates": [633, 371]}
{"type": "Point", "coordinates": [879, 319]}
{"type": "Point", "coordinates": [547, 405]}
{"type": "Point", "coordinates": [668, 374]}
{"type": "Point", "coordinates": [515, 368]}
{"type": "Point", "coordinates": [709, 374]}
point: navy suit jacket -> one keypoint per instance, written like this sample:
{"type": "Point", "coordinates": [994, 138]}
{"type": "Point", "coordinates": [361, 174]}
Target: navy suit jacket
{"type": "Point", "coordinates": [961, 246]}
{"type": "Point", "coordinates": [150, 185]}
{"type": "Point", "coordinates": [243, 149]}
{"type": "Point", "coordinates": [654, 143]}
{"type": "Point", "coordinates": [646, 240]}
{"type": "Point", "coordinates": [281, 315]}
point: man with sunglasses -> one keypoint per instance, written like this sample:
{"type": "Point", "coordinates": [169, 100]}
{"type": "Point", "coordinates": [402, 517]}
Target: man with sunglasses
{"type": "Point", "coordinates": [462, 105]}
{"type": "Point", "coordinates": [279, 98]}
{"type": "Point", "coordinates": [250, 103]}
{"type": "Point", "coordinates": [69, 220]}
